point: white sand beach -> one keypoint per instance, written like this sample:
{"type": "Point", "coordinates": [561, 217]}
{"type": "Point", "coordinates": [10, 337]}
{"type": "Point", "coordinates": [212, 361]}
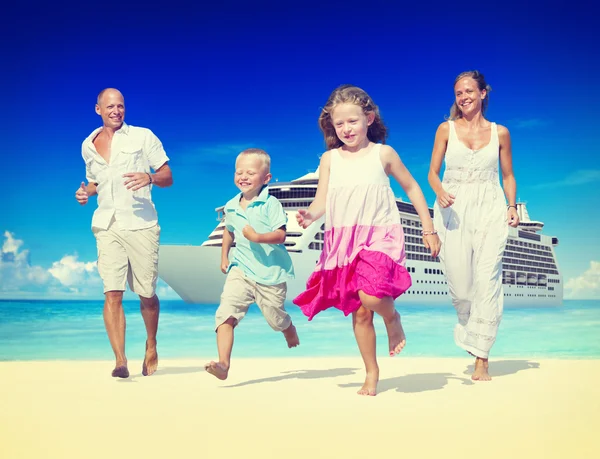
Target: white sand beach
{"type": "Point", "coordinates": [301, 408]}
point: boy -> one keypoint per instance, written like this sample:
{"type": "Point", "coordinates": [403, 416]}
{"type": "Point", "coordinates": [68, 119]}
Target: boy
{"type": "Point", "coordinates": [261, 264]}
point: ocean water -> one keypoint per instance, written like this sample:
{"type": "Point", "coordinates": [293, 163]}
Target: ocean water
{"type": "Point", "coordinates": [74, 330]}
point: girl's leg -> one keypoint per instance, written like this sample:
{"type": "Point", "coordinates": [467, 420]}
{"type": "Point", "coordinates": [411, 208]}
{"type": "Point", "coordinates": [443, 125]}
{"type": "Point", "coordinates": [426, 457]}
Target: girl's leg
{"type": "Point", "coordinates": [386, 309]}
{"type": "Point", "coordinates": [364, 331]}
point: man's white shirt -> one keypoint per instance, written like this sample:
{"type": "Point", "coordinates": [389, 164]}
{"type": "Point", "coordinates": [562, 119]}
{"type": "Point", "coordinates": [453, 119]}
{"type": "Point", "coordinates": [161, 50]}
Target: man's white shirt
{"type": "Point", "coordinates": [133, 149]}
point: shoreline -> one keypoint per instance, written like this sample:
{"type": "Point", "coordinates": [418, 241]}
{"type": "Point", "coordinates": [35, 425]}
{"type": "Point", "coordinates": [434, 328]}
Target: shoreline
{"type": "Point", "coordinates": [300, 408]}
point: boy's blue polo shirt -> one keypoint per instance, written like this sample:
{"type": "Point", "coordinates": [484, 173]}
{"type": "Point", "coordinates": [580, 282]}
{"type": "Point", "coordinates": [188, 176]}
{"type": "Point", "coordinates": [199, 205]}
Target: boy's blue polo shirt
{"type": "Point", "coordinates": [267, 264]}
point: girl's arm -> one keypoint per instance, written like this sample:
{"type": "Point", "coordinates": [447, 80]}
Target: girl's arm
{"type": "Point", "coordinates": [508, 179]}
{"type": "Point", "coordinates": [394, 167]}
{"type": "Point", "coordinates": [317, 207]}
{"type": "Point", "coordinates": [440, 144]}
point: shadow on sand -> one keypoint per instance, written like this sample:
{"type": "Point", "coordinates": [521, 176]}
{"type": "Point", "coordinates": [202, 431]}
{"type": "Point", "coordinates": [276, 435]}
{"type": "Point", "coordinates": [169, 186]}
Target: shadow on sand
{"type": "Point", "coordinates": [425, 382]}
{"type": "Point", "coordinates": [300, 374]}
{"type": "Point", "coordinates": [164, 371]}
{"type": "Point", "coordinates": [505, 367]}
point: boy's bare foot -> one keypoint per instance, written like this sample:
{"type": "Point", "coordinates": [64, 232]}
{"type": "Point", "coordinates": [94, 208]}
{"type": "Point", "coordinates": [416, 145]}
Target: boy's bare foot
{"type": "Point", "coordinates": [396, 336]}
{"type": "Point", "coordinates": [150, 360]}
{"type": "Point", "coordinates": [217, 369]}
{"type": "Point", "coordinates": [120, 371]}
{"type": "Point", "coordinates": [481, 370]}
{"type": "Point", "coordinates": [369, 388]}
{"type": "Point", "coordinates": [291, 336]}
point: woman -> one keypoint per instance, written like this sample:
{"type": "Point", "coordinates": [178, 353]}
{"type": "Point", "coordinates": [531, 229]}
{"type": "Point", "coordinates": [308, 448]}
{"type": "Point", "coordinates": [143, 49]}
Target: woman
{"type": "Point", "coordinates": [471, 214]}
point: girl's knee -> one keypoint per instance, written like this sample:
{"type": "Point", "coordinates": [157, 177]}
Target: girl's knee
{"type": "Point", "coordinates": [363, 316]}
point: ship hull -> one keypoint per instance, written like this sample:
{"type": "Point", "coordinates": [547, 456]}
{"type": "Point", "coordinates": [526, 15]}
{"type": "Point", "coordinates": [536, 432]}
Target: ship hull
{"type": "Point", "coordinates": [193, 272]}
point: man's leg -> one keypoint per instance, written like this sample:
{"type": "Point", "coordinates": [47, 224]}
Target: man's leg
{"type": "Point", "coordinates": [150, 308]}
{"type": "Point", "coordinates": [142, 252]}
{"type": "Point", "coordinates": [112, 268]}
{"type": "Point", "coordinates": [114, 321]}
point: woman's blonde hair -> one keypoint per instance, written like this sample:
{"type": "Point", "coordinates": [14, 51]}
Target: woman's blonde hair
{"type": "Point", "coordinates": [344, 94]}
{"type": "Point", "coordinates": [455, 112]}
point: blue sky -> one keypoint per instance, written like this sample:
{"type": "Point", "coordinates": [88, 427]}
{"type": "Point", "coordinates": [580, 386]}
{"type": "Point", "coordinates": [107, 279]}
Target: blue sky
{"type": "Point", "coordinates": [212, 80]}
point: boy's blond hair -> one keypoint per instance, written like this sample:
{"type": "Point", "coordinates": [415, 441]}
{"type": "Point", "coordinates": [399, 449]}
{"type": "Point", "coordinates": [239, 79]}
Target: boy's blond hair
{"type": "Point", "coordinates": [262, 154]}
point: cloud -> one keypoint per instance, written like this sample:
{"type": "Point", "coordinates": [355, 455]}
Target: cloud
{"type": "Point", "coordinates": [76, 275]}
{"type": "Point", "coordinates": [529, 123]}
{"type": "Point", "coordinates": [67, 278]}
{"type": "Point", "coordinates": [586, 286]}
{"type": "Point", "coordinates": [579, 177]}
{"type": "Point", "coordinates": [164, 292]}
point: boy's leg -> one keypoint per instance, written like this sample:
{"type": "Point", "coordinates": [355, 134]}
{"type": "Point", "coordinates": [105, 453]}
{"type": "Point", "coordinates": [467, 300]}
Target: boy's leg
{"type": "Point", "coordinates": [236, 298]}
{"type": "Point", "coordinates": [386, 309]}
{"type": "Point", "coordinates": [270, 299]}
{"type": "Point", "coordinates": [364, 331]}
{"type": "Point", "coordinates": [220, 369]}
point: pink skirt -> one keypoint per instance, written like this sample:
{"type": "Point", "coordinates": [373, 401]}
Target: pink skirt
{"type": "Point", "coordinates": [374, 273]}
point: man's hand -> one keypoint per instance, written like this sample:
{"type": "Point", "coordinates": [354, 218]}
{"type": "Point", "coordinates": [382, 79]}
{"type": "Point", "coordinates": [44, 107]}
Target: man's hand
{"type": "Point", "coordinates": [136, 180]}
{"type": "Point", "coordinates": [250, 234]}
{"type": "Point", "coordinates": [82, 195]}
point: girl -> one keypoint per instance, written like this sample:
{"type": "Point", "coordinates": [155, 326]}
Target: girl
{"type": "Point", "coordinates": [362, 266]}
{"type": "Point", "coordinates": [472, 216]}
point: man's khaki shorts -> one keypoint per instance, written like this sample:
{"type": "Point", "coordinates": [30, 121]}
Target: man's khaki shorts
{"type": "Point", "coordinates": [240, 292]}
{"type": "Point", "coordinates": [128, 256]}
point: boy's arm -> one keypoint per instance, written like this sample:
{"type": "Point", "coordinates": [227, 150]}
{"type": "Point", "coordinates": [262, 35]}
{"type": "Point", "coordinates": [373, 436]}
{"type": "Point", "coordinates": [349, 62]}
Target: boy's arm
{"type": "Point", "coordinates": [228, 238]}
{"type": "Point", "coordinates": [272, 237]}
{"type": "Point", "coordinates": [277, 221]}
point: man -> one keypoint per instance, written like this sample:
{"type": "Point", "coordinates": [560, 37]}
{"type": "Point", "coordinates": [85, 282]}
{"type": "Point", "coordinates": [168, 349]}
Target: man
{"type": "Point", "coordinates": [118, 161]}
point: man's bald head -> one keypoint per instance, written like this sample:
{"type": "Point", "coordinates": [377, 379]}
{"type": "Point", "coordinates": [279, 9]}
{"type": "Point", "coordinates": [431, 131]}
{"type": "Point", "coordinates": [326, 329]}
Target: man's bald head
{"type": "Point", "coordinates": [108, 91]}
{"type": "Point", "coordinates": [111, 107]}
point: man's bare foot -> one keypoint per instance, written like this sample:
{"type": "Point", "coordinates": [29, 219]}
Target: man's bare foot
{"type": "Point", "coordinates": [396, 336]}
{"type": "Point", "coordinates": [120, 371]}
{"type": "Point", "coordinates": [291, 336]}
{"type": "Point", "coordinates": [217, 369]}
{"type": "Point", "coordinates": [481, 370]}
{"type": "Point", "coordinates": [150, 360]}
{"type": "Point", "coordinates": [369, 388]}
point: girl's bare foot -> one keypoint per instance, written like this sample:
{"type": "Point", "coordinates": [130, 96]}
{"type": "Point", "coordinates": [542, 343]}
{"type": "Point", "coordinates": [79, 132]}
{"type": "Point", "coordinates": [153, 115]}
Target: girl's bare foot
{"type": "Point", "coordinates": [369, 388]}
{"type": "Point", "coordinates": [291, 336]}
{"type": "Point", "coordinates": [396, 336]}
{"type": "Point", "coordinates": [217, 369]}
{"type": "Point", "coordinates": [481, 370]}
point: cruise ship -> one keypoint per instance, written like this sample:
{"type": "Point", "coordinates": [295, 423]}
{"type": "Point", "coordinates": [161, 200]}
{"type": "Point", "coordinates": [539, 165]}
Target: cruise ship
{"type": "Point", "coordinates": [530, 272]}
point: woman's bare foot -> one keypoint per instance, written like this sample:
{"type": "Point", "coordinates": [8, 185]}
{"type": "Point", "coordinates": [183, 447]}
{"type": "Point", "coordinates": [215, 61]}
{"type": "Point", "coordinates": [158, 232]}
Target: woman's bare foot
{"type": "Point", "coordinates": [396, 336]}
{"type": "Point", "coordinates": [219, 370]}
{"type": "Point", "coordinates": [369, 388]}
{"type": "Point", "coordinates": [150, 360]}
{"type": "Point", "coordinates": [291, 336]}
{"type": "Point", "coordinates": [481, 370]}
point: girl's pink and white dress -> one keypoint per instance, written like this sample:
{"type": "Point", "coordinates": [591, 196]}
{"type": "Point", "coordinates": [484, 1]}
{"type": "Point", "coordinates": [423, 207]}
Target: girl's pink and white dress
{"type": "Point", "coordinates": [364, 242]}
